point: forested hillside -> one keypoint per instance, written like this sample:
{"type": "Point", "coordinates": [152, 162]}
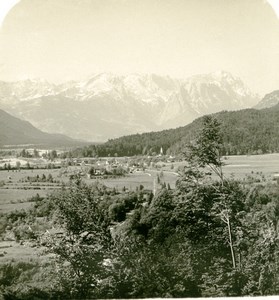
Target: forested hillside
{"type": "Point", "coordinates": [247, 131]}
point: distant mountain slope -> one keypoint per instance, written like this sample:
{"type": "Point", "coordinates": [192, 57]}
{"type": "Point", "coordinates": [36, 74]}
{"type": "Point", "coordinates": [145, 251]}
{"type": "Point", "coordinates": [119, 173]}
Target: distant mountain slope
{"type": "Point", "coordinates": [14, 131]}
{"type": "Point", "coordinates": [107, 105]}
{"type": "Point", "coordinates": [269, 100]}
{"type": "Point", "coordinates": [247, 131]}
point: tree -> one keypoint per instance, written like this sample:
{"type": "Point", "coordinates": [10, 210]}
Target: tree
{"type": "Point", "coordinates": [23, 153]}
{"type": "Point", "coordinates": [18, 164]}
{"type": "Point", "coordinates": [36, 153]}
{"type": "Point", "coordinates": [84, 250]}
{"type": "Point", "coordinates": [52, 155]}
{"type": "Point", "coordinates": [49, 178]}
{"type": "Point", "coordinates": [206, 152]}
{"type": "Point", "coordinates": [91, 171]}
{"type": "Point", "coordinates": [117, 212]}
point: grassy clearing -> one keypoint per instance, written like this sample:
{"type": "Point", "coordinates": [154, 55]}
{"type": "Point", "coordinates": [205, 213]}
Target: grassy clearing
{"type": "Point", "coordinates": [13, 251]}
{"type": "Point", "coordinates": [132, 181]}
{"type": "Point", "coordinates": [8, 207]}
{"type": "Point", "coordinates": [15, 194]}
{"type": "Point", "coordinates": [240, 166]}
{"type": "Point", "coordinates": [16, 175]}
{"type": "Point", "coordinates": [17, 199]}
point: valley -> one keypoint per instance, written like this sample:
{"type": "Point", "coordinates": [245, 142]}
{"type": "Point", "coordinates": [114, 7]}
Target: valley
{"type": "Point", "coordinates": [139, 149]}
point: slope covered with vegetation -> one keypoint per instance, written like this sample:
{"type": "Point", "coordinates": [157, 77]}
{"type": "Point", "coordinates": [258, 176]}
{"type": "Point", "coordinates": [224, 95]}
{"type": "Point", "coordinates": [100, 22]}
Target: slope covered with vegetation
{"type": "Point", "coordinates": [14, 131]}
{"type": "Point", "coordinates": [248, 131]}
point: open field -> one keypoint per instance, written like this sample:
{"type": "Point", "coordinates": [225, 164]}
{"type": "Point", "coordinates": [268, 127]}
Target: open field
{"type": "Point", "coordinates": [145, 178]}
{"type": "Point", "coordinates": [241, 165]}
{"type": "Point", "coordinates": [11, 199]}
{"type": "Point", "coordinates": [17, 175]}
{"type": "Point", "coordinates": [14, 250]}
{"type": "Point", "coordinates": [14, 193]}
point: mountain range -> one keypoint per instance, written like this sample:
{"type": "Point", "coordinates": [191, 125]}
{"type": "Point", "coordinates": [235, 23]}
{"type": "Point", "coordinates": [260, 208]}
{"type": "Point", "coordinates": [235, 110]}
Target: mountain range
{"type": "Point", "coordinates": [14, 131]}
{"type": "Point", "coordinates": [107, 105]}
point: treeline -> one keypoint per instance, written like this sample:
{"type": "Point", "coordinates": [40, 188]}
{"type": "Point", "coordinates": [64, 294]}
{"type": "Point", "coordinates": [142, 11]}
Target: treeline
{"type": "Point", "coordinates": [51, 155]}
{"type": "Point", "coordinates": [248, 131]}
{"type": "Point", "coordinates": [138, 144]}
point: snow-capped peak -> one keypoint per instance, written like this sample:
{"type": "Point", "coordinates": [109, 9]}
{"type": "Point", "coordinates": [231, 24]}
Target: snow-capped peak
{"type": "Point", "coordinates": [142, 102]}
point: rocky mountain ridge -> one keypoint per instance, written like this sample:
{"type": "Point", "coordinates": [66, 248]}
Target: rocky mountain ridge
{"type": "Point", "coordinates": [108, 105]}
{"type": "Point", "coordinates": [269, 100]}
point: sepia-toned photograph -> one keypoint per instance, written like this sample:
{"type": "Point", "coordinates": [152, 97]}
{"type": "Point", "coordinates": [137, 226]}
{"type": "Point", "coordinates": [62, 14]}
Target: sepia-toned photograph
{"type": "Point", "coordinates": [139, 149]}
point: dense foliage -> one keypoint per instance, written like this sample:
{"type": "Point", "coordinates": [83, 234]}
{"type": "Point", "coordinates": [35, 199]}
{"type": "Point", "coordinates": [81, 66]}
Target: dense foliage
{"type": "Point", "coordinates": [248, 131]}
{"type": "Point", "coordinates": [210, 236]}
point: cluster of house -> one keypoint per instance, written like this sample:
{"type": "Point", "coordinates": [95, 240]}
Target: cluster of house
{"type": "Point", "coordinates": [91, 167]}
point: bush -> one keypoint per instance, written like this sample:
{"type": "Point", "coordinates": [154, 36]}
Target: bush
{"type": "Point", "coordinates": [117, 212]}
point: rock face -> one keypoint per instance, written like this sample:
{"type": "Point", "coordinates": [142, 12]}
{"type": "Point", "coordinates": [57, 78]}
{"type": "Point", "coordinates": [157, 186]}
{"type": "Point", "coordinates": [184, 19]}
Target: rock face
{"type": "Point", "coordinates": [107, 105]}
{"type": "Point", "coordinates": [269, 100]}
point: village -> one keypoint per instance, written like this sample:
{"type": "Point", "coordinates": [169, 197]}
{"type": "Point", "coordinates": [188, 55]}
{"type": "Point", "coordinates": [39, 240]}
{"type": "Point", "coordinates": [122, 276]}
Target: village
{"type": "Point", "coordinates": [28, 172]}
{"type": "Point", "coordinates": [88, 167]}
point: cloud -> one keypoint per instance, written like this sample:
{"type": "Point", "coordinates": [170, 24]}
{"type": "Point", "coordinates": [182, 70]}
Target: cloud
{"type": "Point", "coordinates": [5, 7]}
{"type": "Point", "coordinates": [275, 5]}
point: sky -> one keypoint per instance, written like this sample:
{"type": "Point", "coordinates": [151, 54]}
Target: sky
{"type": "Point", "coordinates": [62, 40]}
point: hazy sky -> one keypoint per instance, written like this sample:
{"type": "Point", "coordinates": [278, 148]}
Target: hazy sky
{"type": "Point", "coordinates": [70, 39]}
